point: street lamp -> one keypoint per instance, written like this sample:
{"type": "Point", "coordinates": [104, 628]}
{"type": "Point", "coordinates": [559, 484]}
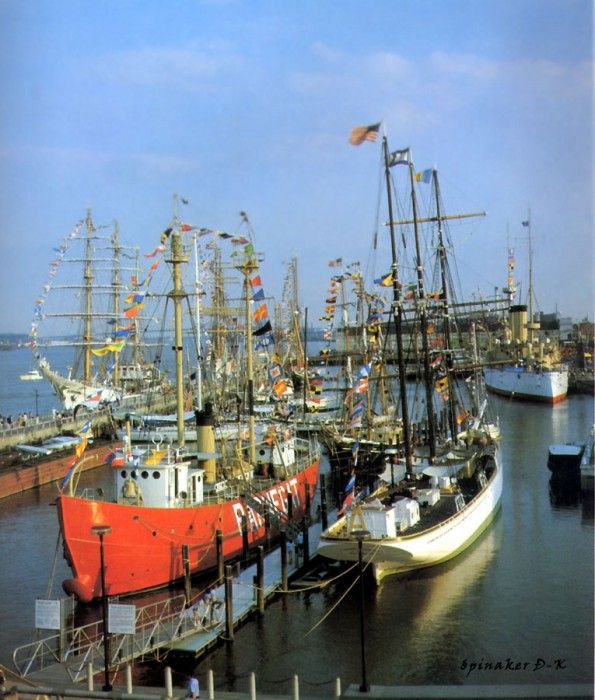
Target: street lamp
{"type": "Point", "coordinates": [360, 536]}
{"type": "Point", "coordinates": [101, 531]}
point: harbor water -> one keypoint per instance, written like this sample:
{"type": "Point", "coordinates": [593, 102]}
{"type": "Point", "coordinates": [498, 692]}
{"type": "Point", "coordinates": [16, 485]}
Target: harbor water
{"type": "Point", "coordinates": [516, 607]}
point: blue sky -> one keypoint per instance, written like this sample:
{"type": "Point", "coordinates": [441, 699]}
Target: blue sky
{"type": "Point", "coordinates": [248, 106]}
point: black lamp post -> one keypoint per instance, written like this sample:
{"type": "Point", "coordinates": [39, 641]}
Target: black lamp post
{"type": "Point", "coordinates": [101, 531]}
{"type": "Point", "coordinates": [362, 535]}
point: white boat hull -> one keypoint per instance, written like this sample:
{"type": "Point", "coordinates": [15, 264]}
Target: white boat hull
{"type": "Point", "coordinates": [393, 555]}
{"type": "Point", "coordinates": [550, 386]}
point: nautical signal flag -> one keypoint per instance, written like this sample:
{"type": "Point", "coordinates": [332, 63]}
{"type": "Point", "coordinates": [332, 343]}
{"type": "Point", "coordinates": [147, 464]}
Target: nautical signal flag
{"type": "Point", "coordinates": [347, 502]}
{"type": "Point", "coordinates": [359, 134]}
{"type": "Point", "coordinates": [260, 313]}
{"type": "Point", "coordinates": [401, 156]}
{"type": "Point", "coordinates": [114, 459]}
{"type": "Point", "coordinates": [385, 280]}
{"type": "Point", "coordinates": [441, 384]}
{"type": "Point", "coordinates": [337, 262]}
{"type": "Point", "coordinates": [256, 281]}
{"type": "Point", "coordinates": [280, 387]}
{"type": "Point", "coordinates": [424, 176]}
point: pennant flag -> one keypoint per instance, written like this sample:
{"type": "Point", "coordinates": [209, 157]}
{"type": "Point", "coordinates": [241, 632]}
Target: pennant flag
{"type": "Point", "coordinates": [111, 347]}
{"type": "Point", "coordinates": [329, 309]}
{"type": "Point", "coordinates": [385, 280]}
{"type": "Point", "coordinates": [158, 249]}
{"type": "Point", "coordinates": [258, 295]}
{"type": "Point", "coordinates": [132, 312]}
{"type": "Point", "coordinates": [186, 227]}
{"type": "Point", "coordinates": [359, 134]}
{"type": "Point", "coordinates": [256, 281]}
{"type": "Point", "coordinates": [337, 262]}
{"type": "Point", "coordinates": [165, 235]}
{"type": "Point", "coordinates": [398, 157]}
{"type": "Point", "coordinates": [122, 333]}
{"type": "Point", "coordinates": [424, 176]}
{"type": "Point", "coordinates": [239, 240]}
{"type": "Point", "coordinates": [331, 300]}
{"type": "Point", "coordinates": [351, 483]}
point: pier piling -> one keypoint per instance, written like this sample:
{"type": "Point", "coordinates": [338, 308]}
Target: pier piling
{"type": "Point", "coordinates": [260, 580]}
{"type": "Point", "coordinates": [228, 604]}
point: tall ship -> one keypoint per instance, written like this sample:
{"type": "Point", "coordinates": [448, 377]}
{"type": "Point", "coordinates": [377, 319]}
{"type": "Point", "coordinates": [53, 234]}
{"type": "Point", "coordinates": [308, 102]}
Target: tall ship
{"type": "Point", "coordinates": [521, 365]}
{"type": "Point", "coordinates": [176, 507]}
{"type": "Point", "coordinates": [442, 480]}
{"type": "Point", "coordinates": [92, 306]}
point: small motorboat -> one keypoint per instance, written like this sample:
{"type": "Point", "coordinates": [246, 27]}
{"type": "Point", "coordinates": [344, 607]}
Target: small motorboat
{"type": "Point", "coordinates": [565, 457]}
{"type": "Point", "coordinates": [32, 375]}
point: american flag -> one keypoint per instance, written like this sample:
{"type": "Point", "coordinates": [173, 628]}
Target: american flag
{"type": "Point", "coordinates": [359, 134]}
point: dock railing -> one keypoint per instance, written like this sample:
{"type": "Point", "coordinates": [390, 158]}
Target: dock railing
{"type": "Point", "coordinates": [81, 648]}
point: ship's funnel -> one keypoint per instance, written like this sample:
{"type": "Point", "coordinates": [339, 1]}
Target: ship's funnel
{"type": "Point", "coordinates": [518, 322]}
{"type": "Point", "coordinates": [205, 440]}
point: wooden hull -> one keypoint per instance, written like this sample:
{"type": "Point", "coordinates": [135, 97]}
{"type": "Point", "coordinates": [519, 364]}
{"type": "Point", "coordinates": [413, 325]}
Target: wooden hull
{"type": "Point", "coordinates": [144, 548]}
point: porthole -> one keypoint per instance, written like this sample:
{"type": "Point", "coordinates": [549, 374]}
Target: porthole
{"type": "Point", "coordinates": [156, 475]}
{"type": "Point", "coordinates": [123, 473]}
{"type": "Point", "coordinates": [261, 452]}
{"type": "Point", "coordinates": [133, 474]}
{"type": "Point", "coordinates": [145, 474]}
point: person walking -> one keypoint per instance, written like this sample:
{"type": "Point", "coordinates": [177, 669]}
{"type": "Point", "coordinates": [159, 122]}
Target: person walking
{"type": "Point", "coordinates": [193, 687]}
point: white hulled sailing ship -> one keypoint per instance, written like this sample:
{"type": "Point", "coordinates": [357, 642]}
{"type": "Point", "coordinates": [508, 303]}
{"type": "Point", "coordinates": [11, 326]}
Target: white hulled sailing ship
{"type": "Point", "coordinates": [442, 486]}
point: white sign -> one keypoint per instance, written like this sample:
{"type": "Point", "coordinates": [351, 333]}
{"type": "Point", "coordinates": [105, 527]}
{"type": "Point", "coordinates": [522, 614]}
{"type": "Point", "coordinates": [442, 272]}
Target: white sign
{"type": "Point", "coordinates": [47, 614]}
{"type": "Point", "coordinates": [121, 619]}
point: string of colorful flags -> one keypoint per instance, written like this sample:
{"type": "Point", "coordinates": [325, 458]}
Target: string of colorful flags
{"type": "Point", "coordinates": [84, 433]}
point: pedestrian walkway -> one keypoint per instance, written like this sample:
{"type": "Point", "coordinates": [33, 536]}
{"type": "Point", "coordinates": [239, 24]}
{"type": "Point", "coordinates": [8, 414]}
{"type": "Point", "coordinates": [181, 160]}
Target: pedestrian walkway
{"type": "Point", "coordinates": [164, 625]}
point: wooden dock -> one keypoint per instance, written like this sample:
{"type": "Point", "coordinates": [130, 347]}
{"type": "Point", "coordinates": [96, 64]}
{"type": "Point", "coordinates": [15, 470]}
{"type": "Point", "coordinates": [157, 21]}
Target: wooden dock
{"type": "Point", "coordinates": [168, 624]}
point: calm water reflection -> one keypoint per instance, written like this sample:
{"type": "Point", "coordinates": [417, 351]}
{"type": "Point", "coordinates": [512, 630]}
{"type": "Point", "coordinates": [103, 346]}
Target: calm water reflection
{"type": "Point", "coordinates": [522, 594]}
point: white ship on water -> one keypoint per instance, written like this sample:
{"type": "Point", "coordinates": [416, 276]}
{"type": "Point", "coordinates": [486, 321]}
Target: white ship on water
{"type": "Point", "coordinates": [94, 298]}
{"type": "Point", "coordinates": [521, 365]}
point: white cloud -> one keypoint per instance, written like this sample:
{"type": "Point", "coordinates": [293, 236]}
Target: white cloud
{"type": "Point", "coordinates": [187, 68]}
